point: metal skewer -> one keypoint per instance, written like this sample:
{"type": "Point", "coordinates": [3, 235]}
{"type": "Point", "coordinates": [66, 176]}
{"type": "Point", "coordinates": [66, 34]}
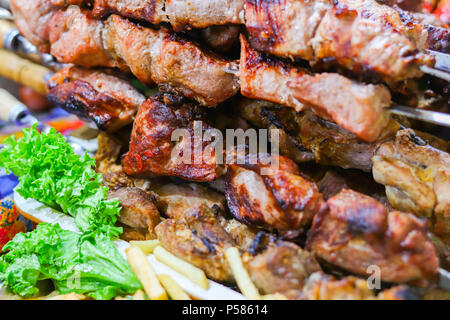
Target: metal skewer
{"type": "Point", "coordinates": [15, 112]}
{"type": "Point", "coordinates": [439, 118]}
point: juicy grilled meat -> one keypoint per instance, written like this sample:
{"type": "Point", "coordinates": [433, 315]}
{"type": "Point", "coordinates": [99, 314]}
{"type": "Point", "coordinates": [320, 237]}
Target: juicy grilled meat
{"type": "Point", "coordinates": [320, 286]}
{"type": "Point", "coordinates": [410, 5]}
{"type": "Point", "coordinates": [306, 137]}
{"type": "Point", "coordinates": [417, 178]}
{"type": "Point", "coordinates": [356, 107]}
{"type": "Point", "coordinates": [356, 231]}
{"type": "Point", "coordinates": [138, 209]}
{"type": "Point", "coordinates": [278, 199]}
{"type": "Point", "coordinates": [109, 101]}
{"type": "Point", "coordinates": [152, 151]}
{"type": "Point", "coordinates": [176, 199]}
{"type": "Point", "coordinates": [281, 268]}
{"type": "Point", "coordinates": [357, 35]}
{"type": "Point", "coordinates": [221, 38]}
{"type": "Point", "coordinates": [199, 239]}
{"type": "Point", "coordinates": [336, 180]}
{"type": "Point", "coordinates": [181, 14]}
{"type": "Point", "coordinates": [73, 36]}
{"type": "Point", "coordinates": [362, 36]}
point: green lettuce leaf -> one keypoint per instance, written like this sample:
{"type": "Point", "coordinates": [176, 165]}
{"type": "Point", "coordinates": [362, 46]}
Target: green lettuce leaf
{"type": "Point", "coordinates": [81, 263]}
{"type": "Point", "coordinates": [50, 172]}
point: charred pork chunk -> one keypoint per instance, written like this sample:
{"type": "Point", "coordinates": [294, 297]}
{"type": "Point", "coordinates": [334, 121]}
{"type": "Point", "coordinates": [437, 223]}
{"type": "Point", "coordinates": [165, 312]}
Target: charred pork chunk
{"type": "Point", "coordinates": [199, 239]}
{"type": "Point", "coordinates": [176, 199]}
{"type": "Point", "coordinates": [417, 178]}
{"type": "Point", "coordinates": [355, 232]}
{"type": "Point", "coordinates": [158, 56]}
{"type": "Point", "coordinates": [221, 38]}
{"type": "Point", "coordinates": [282, 267]}
{"type": "Point", "coordinates": [306, 137]}
{"type": "Point", "coordinates": [138, 210]}
{"type": "Point", "coordinates": [356, 107]}
{"type": "Point", "coordinates": [361, 36]}
{"type": "Point", "coordinates": [321, 286]}
{"type": "Point", "coordinates": [275, 198]}
{"type": "Point", "coordinates": [152, 151]}
{"type": "Point", "coordinates": [109, 101]}
{"type": "Point", "coordinates": [181, 14]}
{"type": "Point", "coordinates": [410, 5]}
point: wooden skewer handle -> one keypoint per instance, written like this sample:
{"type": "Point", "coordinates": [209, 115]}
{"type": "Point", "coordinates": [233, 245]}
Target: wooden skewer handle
{"type": "Point", "coordinates": [11, 109]}
{"type": "Point", "coordinates": [24, 71]}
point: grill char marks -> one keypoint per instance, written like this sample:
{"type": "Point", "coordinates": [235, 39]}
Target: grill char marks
{"type": "Point", "coordinates": [73, 36]}
{"type": "Point", "coordinates": [279, 199]}
{"type": "Point", "coordinates": [109, 101]}
{"type": "Point", "coordinates": [152, 151]}
{"type": "Point", "coordinates": [356, 107]}
{"type": "Point", "coordinates": [363, 37]}
{"type": "Point", "coordinates": [356, 231]}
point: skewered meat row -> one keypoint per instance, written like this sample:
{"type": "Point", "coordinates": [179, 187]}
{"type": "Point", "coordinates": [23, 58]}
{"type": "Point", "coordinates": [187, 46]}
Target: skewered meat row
{"type": "Point", "coordinates": [362, 36]}
{"type": "Point", "coordinates": [356, 231]}
{"type": "Point", "coordinates": [176, 64]}
{"type": "Point", "coordinates": [72, 36]}
{"type": "Point", "coordinates": [354, 106]}
{"type": "Point", "coordinates": [180, 14]}
{"type": "Point", "coordinates": [110, 101]}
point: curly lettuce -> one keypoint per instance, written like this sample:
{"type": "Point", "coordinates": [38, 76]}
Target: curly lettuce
{"type": "Point", "coordinates": [86, 264]}
{"type": "Point", "coordinates": [50, 172]}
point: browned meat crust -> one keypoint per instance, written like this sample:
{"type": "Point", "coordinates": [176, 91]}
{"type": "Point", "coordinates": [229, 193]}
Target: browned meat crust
{"type": "Point", "coordinates": [306, 137]}
{"type": "Point", "coordinates": [410, 5]}
{"type": "Point", "coordinates": [73, 36]}
{"type": "Point", "coordinates": [280, 199]}
{"type": "Point", "coordinates": [180, 14]}
{"type": "Point", "coordinates": [361, 36]}
{"type": "Point", "coordinates": [221, 38]}
{"type": "Point", "coordinates": [356, 231]}
{"type": "Point", "coordinates": [175, 199]}
{"type": "Point", "coordinates": [281, 268]}
{"type": "Point", "coordinates": [417, 178]}
{"type": "Point", "coordinates": [109, 101]}
{"type": "Point", "coordinates": [320, 286]}
{"type": "Point", "coordinates": [138, 209]}
{"type": "Point", "coordinates": [199, 239]}
{"type": "Point", "coordinates": [354, 106]}
{"type": "Point", "coordinates": [152, 151]}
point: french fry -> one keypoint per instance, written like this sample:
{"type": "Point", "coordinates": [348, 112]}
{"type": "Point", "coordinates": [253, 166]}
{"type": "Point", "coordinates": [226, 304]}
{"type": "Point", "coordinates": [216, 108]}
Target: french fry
{"type": "Point", "coordinates": [139, 295]}
{"type": "Point", "coordinates": [191, 272]}
{"type": "Point", "coordinates": [145, 273]}
{"type": "Point", "coordinates": [173, 289]}
{"type": "Point", "coordinates": [146, 246]}
{"type": "Point", "coordinates": [241, 276]}
{"type": "Point", "coordinates": [274, 296]}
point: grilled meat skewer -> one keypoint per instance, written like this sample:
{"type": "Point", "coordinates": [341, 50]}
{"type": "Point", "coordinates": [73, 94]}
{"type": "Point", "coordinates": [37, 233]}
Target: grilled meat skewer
{"type": "Point", "coordinates": [318, 31]}
{"type": "Point", "coordinates": [354, 106]}
{"type": "Point", "coordinates": [158, 56]}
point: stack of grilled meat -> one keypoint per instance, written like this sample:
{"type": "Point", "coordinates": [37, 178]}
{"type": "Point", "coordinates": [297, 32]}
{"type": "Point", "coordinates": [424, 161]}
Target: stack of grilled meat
{"type": "Point", "coordinates": [354, 188]}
